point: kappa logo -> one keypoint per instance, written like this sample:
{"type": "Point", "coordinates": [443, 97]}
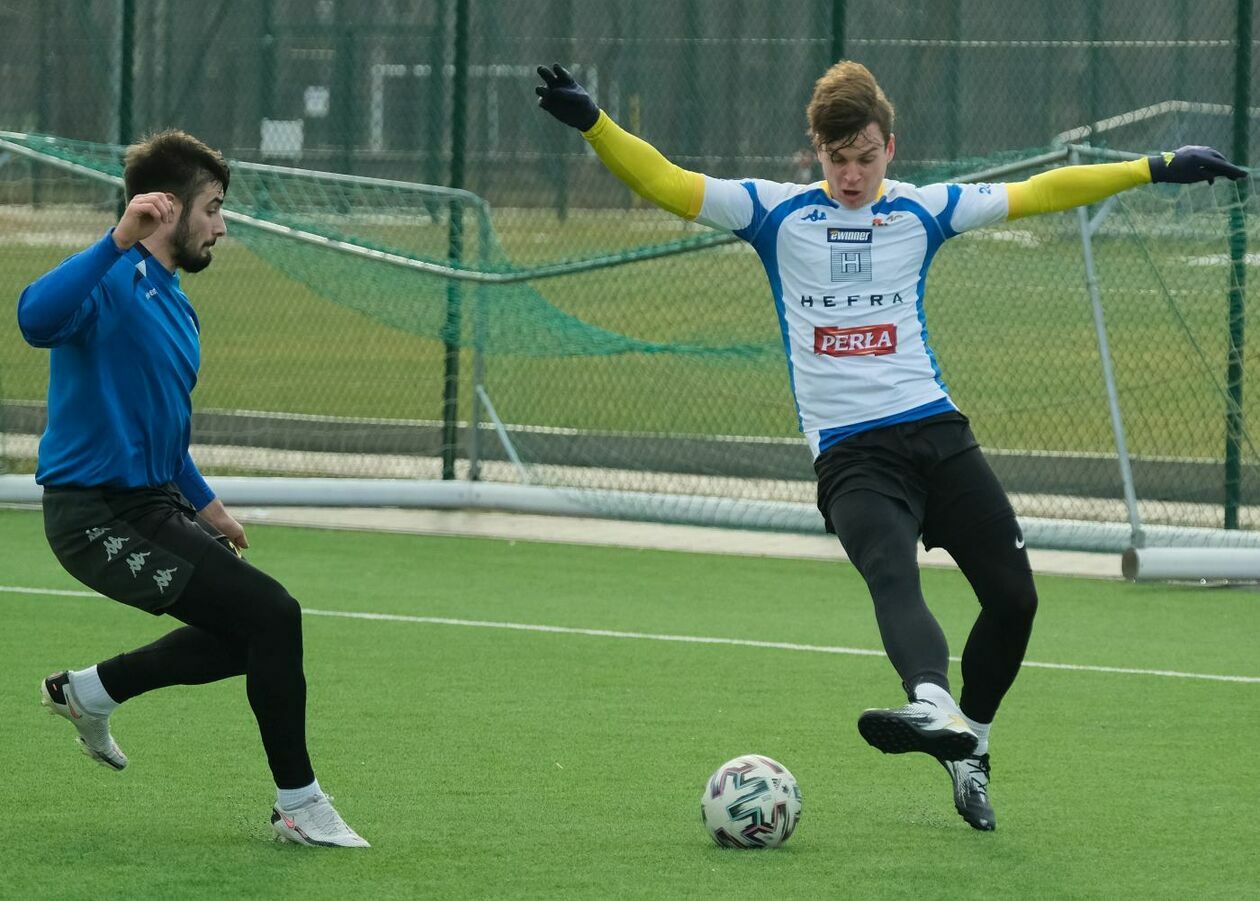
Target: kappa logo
{"type": "Point", "coordinates": [152, 292]}
{"type": "Point", "coordinates": [93, 534]}
{"type": "Point", "coordinates": [112, 546]}
{"type": "Point", "coordinates": [814, 216]}
{"type": "Point", "coordinates": [163, 578]}
{"type": "Point", "coordinates": [135, 562]}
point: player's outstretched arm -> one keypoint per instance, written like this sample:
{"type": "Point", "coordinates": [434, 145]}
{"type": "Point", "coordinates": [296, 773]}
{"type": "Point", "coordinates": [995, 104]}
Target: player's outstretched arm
{"type": "Point", "coordinates": [1072, 186]}
{"type": "Point", "coordinates": [637, 163]}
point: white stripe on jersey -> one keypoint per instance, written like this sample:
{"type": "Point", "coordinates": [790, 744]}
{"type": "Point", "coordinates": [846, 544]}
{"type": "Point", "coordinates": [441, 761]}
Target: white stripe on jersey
{"type": "Point", "coordinates": [848, 288]}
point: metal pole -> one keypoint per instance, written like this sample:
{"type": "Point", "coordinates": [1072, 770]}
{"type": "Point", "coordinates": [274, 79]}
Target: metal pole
{"type": "Point", "coordinates": [1109, 379]}
{"type": "Point", "coordinates": [266, 87]}
{"type": "Point", "coordinates": [559, 175]}
{"type": "Point", "coordinates": [168, 49]}
{"type": "Point", "coordinates": [343, 97]}
{"type": "Point", "coordinates": [1234, 425]}
{"type": "Point", "coordinates": [693, 136]}
{"type": "Point", "coordinates": [952, 144]}
{"type": "Point", "coordinates": [43, 111]}
{"type": "Point", "coordinates": [267, 62]}
{"type": "Point", "coordinates": [437, 98]}
{"type": "Point", "coordinates": [126, 59]}
{"type": "Point", "coordinates": [838, 14]}
{"type": "Point", "coordinates": [451, 331]}
{"type": "Point", "coordinates": [479, 361]}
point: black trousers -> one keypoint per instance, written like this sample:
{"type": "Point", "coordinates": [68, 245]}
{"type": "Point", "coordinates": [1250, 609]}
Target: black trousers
{"type": "Point", "coordinates": [880, 491]}
{"type": "Point", "coordinates": [145, 548]}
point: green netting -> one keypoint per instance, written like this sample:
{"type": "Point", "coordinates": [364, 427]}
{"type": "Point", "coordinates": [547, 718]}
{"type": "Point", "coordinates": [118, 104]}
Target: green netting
{"type": "Point", "coordinates": [639, 354]}
{"type": "Point", "coordinates": [413, 223]}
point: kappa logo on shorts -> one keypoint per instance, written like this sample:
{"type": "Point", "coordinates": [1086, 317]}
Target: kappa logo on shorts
{"type": "Point", "coordinates": [860, 341]}
{"type": "Point", "coordinates": [112, 546]}
{"type": "Point", "coordinates": [163, 578]}
{"type": "Point", "coordinates": [135, 562]}
{"type": "Point", "coordinates": [93, 534]}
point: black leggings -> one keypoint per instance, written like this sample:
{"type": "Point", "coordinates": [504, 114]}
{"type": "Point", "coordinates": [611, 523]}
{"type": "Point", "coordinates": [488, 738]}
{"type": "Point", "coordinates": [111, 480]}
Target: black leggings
{"type": "Point", "coordinates": [969, 516]}
{"type": "Point", "coordinates": [144, 547]}
{"type": "Point", "coordinates": [240, 621]}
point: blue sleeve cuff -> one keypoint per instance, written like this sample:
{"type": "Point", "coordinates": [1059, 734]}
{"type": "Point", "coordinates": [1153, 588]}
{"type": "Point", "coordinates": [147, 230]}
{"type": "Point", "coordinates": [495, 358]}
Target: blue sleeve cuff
{"type": "Point", "coordinates": [193, 485]}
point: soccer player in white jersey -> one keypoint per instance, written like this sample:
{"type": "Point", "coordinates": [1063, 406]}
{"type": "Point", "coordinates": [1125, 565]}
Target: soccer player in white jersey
{"type": "Point", "coordinates": [847, 259]}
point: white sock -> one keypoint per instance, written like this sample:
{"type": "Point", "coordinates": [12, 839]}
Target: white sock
{"type": "Point", "coordinates": [292, 798]}
{"type": "Point", "coordinates": [982, 733]}
{"type": "Point", "coordinates": [91, 693]}
{"type": "Point", "coordinates": [930, 691]}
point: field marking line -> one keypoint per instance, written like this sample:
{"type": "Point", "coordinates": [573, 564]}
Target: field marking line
{"type": "Point", "coordinates": [684, 639]}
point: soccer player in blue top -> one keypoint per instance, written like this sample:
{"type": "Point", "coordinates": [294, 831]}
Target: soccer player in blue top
{"type": "Point", "coordinates": [125, 510]}
{"type": "Point", "coordinates": [847, 260]}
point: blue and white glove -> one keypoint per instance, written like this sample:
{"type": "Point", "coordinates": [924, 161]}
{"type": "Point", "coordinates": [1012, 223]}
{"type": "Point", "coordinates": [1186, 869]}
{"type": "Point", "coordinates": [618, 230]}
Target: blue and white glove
{"type": "Point", "coordinates": [1191, 164]}
{"type": "Point", "coordinates": [565, 99]}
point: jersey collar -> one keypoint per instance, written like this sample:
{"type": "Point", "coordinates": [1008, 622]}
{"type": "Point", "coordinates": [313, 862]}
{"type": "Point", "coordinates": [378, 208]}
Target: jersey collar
{"type": "Point", "coordinates": [826, 189]}
{"type": "Point", "coordinates": [150, 267]}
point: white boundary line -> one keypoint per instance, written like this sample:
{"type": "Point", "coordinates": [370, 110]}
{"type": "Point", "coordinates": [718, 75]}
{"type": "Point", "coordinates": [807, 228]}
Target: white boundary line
{"type": "Point", "coordinates": [686, 639]}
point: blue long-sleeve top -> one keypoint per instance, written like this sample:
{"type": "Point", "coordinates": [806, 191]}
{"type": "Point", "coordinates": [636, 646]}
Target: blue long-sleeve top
{"type": "Point", "coordinates": [125, 353]}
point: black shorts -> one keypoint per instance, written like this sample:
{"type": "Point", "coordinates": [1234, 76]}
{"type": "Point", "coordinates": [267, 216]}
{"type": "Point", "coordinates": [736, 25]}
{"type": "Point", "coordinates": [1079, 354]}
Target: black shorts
{"type": "Point", "coordinates": [135, 545]}
{"type": "Point", "coordinates": [907, 462]}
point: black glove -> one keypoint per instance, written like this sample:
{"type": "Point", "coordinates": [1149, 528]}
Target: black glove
{"type": "Point", "coordinates": [565, 99]}
{"type": "Point", "coordinates": [1191, 164]}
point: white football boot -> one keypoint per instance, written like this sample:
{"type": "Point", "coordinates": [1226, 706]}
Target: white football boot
{"type": "Point", "coordinates": [57, 696]}
{"type": "Point", "coordinates": [918, 726]}
{"type": "Point", "coordinates": [315, 822]}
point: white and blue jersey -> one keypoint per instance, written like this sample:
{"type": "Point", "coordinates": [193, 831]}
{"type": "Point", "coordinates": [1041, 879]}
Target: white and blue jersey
{"type": "Point", "coordinates": [125, 355]}
{"type": "Point", "coordinates": [848, 287]}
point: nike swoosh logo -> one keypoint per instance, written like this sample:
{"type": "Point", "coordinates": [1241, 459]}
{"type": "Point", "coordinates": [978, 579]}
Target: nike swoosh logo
{"type": "Point", "coordinates": [74, 713]}
{"type": "Point", "coordinates": [1019, 543]}
{"type": "Point", "coordinates": [288, 821]}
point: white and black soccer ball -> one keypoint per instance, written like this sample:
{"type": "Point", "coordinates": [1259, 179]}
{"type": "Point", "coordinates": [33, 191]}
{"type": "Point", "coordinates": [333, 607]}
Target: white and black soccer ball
{"type": "Point", "coordinates": [751, 802]}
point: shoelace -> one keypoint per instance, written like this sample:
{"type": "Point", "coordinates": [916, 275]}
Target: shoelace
{"type": "Point", "coordinates": [978, 774]}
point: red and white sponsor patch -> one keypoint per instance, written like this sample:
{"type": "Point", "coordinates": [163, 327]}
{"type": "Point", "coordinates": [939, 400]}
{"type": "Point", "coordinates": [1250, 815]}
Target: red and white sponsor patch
{"type": "Point", "coordinates": [861, 341]}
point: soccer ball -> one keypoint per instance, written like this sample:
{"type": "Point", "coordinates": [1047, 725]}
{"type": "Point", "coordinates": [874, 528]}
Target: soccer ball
{"type": "Point", "coordinates": [751, 802]}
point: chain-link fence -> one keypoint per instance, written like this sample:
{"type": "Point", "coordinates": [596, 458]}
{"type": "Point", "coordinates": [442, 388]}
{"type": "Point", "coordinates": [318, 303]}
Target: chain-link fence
{"type": "Point", "coordinates": [665, 375]}
{"type": "Point", "coordinates": [371, 87]}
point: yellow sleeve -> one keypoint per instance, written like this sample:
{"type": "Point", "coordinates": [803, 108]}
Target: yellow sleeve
{"type": "Point", "coordinates": [1070, 186]}
{"type": "Point", "coordinates": [645, 170]}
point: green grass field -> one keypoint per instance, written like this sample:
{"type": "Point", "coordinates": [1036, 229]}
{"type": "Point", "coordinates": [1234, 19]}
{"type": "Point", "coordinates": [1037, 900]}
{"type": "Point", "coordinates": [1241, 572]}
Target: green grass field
{"type": "Point", "coordinates": [1009, 320]}
{"type": "Point", "coordinates": [489, 762]}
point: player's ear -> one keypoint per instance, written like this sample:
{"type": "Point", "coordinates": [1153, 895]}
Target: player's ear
{"type": "Point", "coordinates": [892, 146]}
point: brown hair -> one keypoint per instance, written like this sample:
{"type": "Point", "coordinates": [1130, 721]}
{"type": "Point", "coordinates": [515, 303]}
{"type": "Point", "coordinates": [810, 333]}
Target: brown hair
{"type": "Point", "coordinates": [846, 100]}
{"type": "Point", "coordinates": [175, 162]}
